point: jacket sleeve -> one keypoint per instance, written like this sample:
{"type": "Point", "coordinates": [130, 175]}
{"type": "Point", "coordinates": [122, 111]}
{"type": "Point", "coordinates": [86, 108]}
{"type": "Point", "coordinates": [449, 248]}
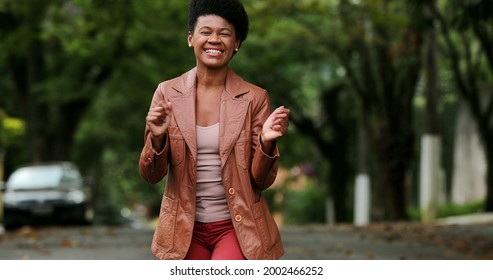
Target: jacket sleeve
{"type": "Point", "coordinates": [264, 167]}
{"type": "Point", "coordinates": [153, 165]}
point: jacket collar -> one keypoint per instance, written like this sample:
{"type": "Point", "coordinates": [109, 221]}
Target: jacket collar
{"type": "Point", "coordinates": [234, 86]}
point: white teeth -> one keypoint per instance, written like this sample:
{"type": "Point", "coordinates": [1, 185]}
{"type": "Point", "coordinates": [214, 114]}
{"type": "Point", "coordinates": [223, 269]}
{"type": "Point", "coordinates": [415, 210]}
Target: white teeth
{"type": "Point", "coordinates": [213, 51]}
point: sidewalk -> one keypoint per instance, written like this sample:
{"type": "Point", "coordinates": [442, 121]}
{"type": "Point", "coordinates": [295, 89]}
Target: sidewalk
{"type": "Point", "coordinates": [479, 218]}
{"type": "Point", "coordinates": [457, 238]}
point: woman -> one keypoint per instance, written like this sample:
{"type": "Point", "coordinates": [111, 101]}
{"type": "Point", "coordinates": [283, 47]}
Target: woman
{"type": "Point", "coordinates": [214, 136]}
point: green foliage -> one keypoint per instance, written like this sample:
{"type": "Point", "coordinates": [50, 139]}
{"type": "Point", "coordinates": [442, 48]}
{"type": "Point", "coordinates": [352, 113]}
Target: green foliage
{"type": "Point", "coordinates": [285, 55]}
{"type": "Point", "coordinates": [270, 197]}
{"type": "Point", "coordinates": [79, 76]}
{"type": "Point", "coordinates": [304, 206]}
{"type": "Point", "coordinates": [11, 131]}
{"type": "Point", "coordinates": [85, 71]}
{"type": "Point", "coordinates": [119, 185]}
{"type": "Point", "coordinates": [448, 210]}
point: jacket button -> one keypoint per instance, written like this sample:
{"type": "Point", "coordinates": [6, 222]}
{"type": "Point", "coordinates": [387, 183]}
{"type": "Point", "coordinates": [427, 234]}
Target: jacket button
{"type": "Point", "coordinates": [238, 218]}
{"type": "Point", "coordinates": [231, 191]}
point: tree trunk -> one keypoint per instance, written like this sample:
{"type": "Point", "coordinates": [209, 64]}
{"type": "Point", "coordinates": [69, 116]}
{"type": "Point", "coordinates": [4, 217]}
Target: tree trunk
{"type": "Point", "coordinates": [429, 180]}
{"type": "Point", "coordinates": [489, 174]}
{"type": "Point", "coordinates": [468, 78]}
{"type": "Point", "coordinates": [334, 149]}
{"type": "Point", "coordinates": [339, 177]}
{"type": "Point", "coordinates": [396, 156]}
{"type": "Point", "coordinates": [340, 168]}
{"type": "Point", "coordinates": [362, 191]}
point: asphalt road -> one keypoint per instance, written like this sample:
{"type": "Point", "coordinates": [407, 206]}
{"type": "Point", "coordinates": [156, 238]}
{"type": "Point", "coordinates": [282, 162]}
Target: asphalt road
{"type": "Point", "coordinates": [76, 243]}
{"type": "Point", "coordinates": [317, 242]}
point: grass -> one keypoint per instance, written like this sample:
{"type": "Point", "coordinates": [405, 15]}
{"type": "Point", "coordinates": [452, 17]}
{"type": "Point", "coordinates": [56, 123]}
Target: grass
{"type": "Point", "coordinates": [448, 210]}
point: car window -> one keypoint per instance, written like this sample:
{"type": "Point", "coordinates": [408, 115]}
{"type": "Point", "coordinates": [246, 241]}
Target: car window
{"type": "Point", "coordinates": [35, 177]}
{"type": "Point", "coordinates": [70, 177]}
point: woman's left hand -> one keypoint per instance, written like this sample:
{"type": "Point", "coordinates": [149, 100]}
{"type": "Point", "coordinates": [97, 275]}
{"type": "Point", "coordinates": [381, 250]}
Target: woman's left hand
{"type": "Point", "coordinates": [275, 126]}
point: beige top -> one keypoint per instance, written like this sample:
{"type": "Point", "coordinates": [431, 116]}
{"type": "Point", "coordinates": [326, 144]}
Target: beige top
{"type": "Point", "coordinates": [211, 197]}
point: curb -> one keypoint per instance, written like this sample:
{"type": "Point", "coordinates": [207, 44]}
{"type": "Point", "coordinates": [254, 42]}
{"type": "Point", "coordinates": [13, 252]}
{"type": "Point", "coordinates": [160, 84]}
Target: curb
{"type": "Point", "coordinates": [480, 218]}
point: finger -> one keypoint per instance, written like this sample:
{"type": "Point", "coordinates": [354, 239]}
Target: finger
{"type": "Point", "coordinates": [282, 109]}
{"type": "Point", "coordinates": [161, 106]}
{"type": "Point", "coordinates": [167, 108]}
{"type": "Point", "coordinates": [279, 126]}
{"type": "Point", "coordinates": [283, 121]}
{"type": "Point", "coordinates": [154, 113]}
{"type": "Point", "coordinates": [158, 115]}
{"type": "Point", "coordinates": [162, 109]}
{"type": "Point", "coordinates": [281, 113]}
{"type": "Point", "coordinates": [153, 120]}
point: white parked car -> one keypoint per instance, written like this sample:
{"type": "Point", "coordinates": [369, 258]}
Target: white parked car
{"type": "Point", "coordinates": [53, 191]}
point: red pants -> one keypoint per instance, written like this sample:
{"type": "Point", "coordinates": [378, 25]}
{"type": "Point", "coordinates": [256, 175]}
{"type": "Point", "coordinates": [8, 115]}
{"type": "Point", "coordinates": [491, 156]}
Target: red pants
{"type": "Point", "coordinates": [214, 241]}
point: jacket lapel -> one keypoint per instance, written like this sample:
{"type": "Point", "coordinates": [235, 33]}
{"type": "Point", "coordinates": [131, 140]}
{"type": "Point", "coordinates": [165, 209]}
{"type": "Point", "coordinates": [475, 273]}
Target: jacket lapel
{"type": "Point", "coordinates": [233, 113]}
{"type": "Point", "coordinates": [183, 102]}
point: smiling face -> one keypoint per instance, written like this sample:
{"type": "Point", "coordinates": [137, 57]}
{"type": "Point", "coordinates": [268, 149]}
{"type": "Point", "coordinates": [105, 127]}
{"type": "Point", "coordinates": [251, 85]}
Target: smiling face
{"type": "Point", "coordinates": [214, 41]}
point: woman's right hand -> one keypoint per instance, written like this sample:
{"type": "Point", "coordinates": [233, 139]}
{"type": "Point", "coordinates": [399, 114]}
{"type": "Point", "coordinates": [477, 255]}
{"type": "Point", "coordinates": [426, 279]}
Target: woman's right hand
{"type": "Point", "coordinates": [157, 121]}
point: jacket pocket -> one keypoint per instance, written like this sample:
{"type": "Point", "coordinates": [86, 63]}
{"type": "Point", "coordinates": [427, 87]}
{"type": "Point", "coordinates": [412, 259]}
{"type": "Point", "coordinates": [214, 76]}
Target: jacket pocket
{"type": "Point", "coordinates": [266, 226]}
{"type": "Point", "coordinates": [165, 230]}
{"type": "Point", "coordinates": [242, 149]}
{"type": "Point", "coordinates": [177, 145]}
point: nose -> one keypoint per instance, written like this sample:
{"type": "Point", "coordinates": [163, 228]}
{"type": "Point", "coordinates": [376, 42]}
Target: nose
{"type": "Point", "coordinates": [214, 39]}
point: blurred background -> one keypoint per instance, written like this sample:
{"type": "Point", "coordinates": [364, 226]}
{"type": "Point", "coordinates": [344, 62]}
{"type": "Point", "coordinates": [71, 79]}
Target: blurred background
{"type": "Point", "coordinates": [392, 100]}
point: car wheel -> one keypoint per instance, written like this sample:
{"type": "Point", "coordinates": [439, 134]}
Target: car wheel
{"type": "Point", "coordinates": [9, 220]}
{"type": "Point", "coordinates": [83, 214]}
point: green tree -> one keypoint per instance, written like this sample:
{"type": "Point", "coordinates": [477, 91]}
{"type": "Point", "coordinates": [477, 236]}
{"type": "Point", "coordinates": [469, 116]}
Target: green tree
{"type": "Point", "coordinates": [376, 46]}
{"type": "Point", "coordinates": [298, 72]}
{"type": "Point", "coordinates": [82, 73]}
{"type": "Point", "coordinates": [12, 130]}
{"type": "Point", "coordinates": [467, 29]}
{"type": "Point", "coordinates": [110, 137]}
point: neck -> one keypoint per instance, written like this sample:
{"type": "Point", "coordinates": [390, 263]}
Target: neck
{"type": "Point", "coordinates": [211, 77]}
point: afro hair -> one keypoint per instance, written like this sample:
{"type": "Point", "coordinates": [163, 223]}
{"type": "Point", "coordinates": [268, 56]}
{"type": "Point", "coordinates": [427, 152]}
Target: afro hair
{"type": "Point", "coordinates": [231, 10]}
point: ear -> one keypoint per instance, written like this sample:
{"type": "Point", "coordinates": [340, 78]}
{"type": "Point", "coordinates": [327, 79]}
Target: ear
{"type": "Point", "coordinates": [189, 39]}
{"type": "Point", "coordinates": [237, 44]}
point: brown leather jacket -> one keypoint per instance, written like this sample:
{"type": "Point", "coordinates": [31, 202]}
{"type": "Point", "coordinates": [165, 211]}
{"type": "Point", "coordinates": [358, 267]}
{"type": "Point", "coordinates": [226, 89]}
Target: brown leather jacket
{"type": "Point", "coordinates": [246, 170]}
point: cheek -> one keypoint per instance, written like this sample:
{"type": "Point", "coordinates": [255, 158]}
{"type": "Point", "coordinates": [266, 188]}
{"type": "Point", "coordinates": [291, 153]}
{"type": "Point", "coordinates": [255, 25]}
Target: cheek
{"type": "Point", "coordinates": [197, 41]}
